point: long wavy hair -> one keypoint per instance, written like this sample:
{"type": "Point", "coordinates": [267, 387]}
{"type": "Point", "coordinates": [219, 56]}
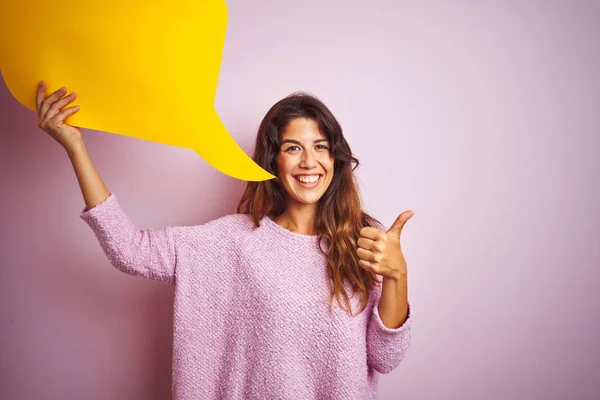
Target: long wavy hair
{"type": "Point", "coordinates": [339, 216]}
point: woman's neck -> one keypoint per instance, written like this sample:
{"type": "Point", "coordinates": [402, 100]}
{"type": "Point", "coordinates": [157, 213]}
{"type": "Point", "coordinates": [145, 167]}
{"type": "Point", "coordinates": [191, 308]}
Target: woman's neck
{"type": "Point", "coordinates": [299, 219]}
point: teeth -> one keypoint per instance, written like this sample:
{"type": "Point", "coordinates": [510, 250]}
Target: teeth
{"type": "Point", "coordinates": [307, 179]}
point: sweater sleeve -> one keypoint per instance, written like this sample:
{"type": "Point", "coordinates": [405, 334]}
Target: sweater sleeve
{"type": "Point", "coordinates": [386, 347]}
{"type": "Point", "coordinates": [143, 252]}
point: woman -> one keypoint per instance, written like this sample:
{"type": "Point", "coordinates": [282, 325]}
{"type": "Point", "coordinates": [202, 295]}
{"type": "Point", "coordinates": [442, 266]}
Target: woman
{"type": "Point", "coordinates": [254, 316]}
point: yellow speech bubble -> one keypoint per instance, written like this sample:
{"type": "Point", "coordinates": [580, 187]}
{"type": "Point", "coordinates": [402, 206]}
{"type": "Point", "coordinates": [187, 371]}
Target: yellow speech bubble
{"type": "Point", "coordinates": [146, 69]}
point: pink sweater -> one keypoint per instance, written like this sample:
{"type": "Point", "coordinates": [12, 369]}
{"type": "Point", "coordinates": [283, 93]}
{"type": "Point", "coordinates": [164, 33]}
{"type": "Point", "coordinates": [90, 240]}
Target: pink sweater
{"type": "Point", "coordinates": [251, 316]}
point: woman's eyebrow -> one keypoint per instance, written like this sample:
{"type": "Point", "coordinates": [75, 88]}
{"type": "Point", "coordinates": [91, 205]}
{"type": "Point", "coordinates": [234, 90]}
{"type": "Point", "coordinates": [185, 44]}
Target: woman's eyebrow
{"type": "Point", "coordinates": [297, 142]}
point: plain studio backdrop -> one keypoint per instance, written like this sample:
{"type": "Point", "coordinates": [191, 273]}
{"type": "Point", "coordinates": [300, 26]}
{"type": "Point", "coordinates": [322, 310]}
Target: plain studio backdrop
{"type": "Point", "coordinates": [483, 117]}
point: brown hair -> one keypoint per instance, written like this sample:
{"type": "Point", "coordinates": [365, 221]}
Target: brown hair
{"type": "Point", "coordinates": [339, 212]}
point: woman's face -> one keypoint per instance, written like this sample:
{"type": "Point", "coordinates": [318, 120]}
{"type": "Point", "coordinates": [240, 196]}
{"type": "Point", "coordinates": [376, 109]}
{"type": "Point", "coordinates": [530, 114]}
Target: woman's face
{"type": "Point", "coordinates": [304, 163]}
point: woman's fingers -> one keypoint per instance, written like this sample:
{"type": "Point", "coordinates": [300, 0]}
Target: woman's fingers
{"type": "Point", "coordinates": [49, 101]}
{"type": "Point", "coordinates": [52, 112]}
{"type": "Point", "coordinates": [59, 118]}
{"type": "Point", "coordinates": [57, 105]}
{"type": "Point", "coordinates": [39, 96]}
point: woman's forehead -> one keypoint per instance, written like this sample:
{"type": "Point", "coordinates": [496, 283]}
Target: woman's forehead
{"type": "Point", "coordinates": [302, 129]}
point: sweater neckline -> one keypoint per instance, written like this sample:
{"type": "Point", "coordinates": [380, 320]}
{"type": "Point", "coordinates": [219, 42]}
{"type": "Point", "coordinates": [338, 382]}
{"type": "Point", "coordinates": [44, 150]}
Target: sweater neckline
{"type": "Point", "coordinates": [287, 232]}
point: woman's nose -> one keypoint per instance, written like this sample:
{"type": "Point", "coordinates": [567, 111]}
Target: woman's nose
{"type": "Point", "coordinates": [308, 160]}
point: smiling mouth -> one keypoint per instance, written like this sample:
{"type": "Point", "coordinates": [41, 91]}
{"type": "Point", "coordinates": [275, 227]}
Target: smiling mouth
{"type": "Point", "coordinates": [308, 180]}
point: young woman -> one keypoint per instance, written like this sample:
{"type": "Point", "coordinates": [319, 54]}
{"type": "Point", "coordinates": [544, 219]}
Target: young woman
{"type": "Point", "coordinates": [254, 316]}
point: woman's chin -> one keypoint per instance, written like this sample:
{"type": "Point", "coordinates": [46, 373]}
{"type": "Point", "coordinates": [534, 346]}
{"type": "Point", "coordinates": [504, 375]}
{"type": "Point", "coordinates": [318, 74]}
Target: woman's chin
{"type": "Point", "coordinates": [307, 200]}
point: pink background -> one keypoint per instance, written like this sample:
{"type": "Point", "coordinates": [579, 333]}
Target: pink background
{"type": "Point", "coordinates": [481, 117]}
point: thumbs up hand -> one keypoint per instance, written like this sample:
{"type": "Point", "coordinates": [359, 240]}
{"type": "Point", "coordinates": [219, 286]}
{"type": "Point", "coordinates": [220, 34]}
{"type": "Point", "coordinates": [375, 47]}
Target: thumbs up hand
{"type": "Point", "coordinates": [380, 252]}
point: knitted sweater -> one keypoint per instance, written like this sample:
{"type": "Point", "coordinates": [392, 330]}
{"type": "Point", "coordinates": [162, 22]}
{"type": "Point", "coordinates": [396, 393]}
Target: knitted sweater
{"type": "Point", "coordinates": [251, 311]}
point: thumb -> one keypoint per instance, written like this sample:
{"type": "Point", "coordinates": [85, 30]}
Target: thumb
{"type": "Point", "coordinates": [399, 223]}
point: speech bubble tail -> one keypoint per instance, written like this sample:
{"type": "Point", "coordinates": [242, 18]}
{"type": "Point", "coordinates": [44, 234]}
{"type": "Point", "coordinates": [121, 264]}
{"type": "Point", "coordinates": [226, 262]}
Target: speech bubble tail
{"type": "Point", "coordinates": [219, 149]}
{"type": "Point", "coordinates": [244, 168]}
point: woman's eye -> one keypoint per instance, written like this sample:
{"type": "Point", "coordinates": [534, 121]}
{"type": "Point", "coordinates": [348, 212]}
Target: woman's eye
{"type": "Point", "coordinates": [293, 148]}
